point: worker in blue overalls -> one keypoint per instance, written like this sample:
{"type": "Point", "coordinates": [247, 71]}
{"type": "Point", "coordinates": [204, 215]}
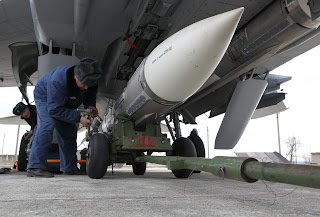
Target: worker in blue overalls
{"type": "Point", "coordinates": [56, 96]}
{"type": "Point", "coordinates": [29, 114]}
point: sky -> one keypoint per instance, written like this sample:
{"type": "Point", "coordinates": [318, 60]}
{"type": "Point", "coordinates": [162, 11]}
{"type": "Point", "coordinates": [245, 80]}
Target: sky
{"type": "Point", "coordinates": [300, 120]}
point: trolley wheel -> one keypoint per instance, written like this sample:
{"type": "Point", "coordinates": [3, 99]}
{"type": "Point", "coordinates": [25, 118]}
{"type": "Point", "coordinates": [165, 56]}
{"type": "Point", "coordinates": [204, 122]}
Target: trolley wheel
{"type": "Point", "coordinates": [139, 168]}
{"type": "Point", "coordinates": [22, 158]}
{"type": "Point", "coordinates": [199, 146]}
{"type": "Point", "coordinates": [185, 148]}
{"type": "Point", "coordinates": [97, 156]}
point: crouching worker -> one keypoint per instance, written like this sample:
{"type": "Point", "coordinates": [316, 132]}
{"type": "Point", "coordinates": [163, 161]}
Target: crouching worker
{"type": "Point", "coordinates": [29, 114]}
{"type": "Point", "coordinates": [57, 95]}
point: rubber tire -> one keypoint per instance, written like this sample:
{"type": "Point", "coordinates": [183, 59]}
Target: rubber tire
{"type": "Point", "coordinates": [97, 156]}
{"type": "Point", "coordinates": [199, 146]}
{"type": "Point", "coordinates": [139, 168]}
{"type": "Point", "coordinates": [185, 148]}
{"type": "Point", "coordinates": [22, 158]}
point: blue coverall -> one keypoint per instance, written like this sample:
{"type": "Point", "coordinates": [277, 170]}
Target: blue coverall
{"type": "Point", "coordinates": [56, 96]}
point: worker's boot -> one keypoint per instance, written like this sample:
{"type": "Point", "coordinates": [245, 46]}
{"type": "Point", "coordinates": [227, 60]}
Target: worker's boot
{"type": "Point", "coordinates": [74, 172]}
{"type": "Point", "coordinates": [39, 173]}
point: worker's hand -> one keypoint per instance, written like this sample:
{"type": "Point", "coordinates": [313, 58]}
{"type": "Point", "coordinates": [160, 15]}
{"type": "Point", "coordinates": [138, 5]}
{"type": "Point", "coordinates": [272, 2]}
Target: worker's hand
{"type": "Point", "coordinates": [85, 121]}
{"type": "Point", "coordinates": [94, 112]}
{"type": "Point", "coordinates": [28, 135]}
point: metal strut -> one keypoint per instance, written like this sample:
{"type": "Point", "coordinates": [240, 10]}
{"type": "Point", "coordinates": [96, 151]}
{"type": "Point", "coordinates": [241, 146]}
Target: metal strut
{"type": "Point", "coordinates": [170, 129]}
{"type": "Point", "coordinates": [176, 123]}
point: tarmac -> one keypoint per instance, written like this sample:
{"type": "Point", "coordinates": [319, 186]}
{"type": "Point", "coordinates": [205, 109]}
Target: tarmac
{"type": "Point", "coordinates": [156, 193]}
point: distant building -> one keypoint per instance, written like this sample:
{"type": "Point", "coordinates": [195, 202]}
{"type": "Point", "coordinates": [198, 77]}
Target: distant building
{"type": "Point", "coordinates": [315, 158]}
{"type": "Point", "coordinates": [7, 160]}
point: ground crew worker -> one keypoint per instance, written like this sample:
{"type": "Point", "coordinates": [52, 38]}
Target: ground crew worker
{"type": "Point", "coordinates": [27, 113]}
{"type": "Point", "coordinates": [57, 95]}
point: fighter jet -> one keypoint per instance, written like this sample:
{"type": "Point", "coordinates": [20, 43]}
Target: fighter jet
{"type": "Point", "coordinates": [163, 60]}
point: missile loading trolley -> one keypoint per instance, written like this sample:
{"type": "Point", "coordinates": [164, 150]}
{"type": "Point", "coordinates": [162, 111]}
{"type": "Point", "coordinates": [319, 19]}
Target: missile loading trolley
{"type": "Point", "coordinates": [129, 146]}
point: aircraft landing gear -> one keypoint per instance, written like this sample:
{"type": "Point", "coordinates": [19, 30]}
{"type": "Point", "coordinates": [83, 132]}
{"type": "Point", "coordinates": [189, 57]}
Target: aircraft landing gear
{"type": "Point", "coordinates": [183, 147]}
{"type": "Point", "coordinates": [97, 156]}
{"type": "Point", "coordinates": [198, 144]}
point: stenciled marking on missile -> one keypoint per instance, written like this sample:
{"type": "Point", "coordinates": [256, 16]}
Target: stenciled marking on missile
{"type": "Point", "coordinates": [164, 52]}
{"type": "Point", "coordinates": [139, 101]}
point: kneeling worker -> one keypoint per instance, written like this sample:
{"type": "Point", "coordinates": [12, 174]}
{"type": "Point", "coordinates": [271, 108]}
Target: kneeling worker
{"type": "Point", "coordinates": [27, 113]}
{"type": "Point", "coordinates": [57, 95]}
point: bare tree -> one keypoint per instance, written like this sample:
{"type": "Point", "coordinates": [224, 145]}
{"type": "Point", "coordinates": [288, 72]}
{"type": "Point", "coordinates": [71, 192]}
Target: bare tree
{"type": "Point", "coordinates": [293, 144]}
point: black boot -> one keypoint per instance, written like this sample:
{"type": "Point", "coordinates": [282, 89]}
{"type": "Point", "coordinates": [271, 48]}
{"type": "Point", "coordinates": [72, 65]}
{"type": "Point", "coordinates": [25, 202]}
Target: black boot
{"type": "Point", "coordinates": [39, 173]}
{"type": "Point", "coordinates": [74, 172]}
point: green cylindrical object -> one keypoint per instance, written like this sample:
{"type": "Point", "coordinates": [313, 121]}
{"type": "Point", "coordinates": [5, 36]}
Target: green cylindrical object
{"type": "Point", "coordinates": [303, 175]}
{"type": "Point", "coordinates": [243, 169]}
{"type": "Point", "coordinates": [224, 167]}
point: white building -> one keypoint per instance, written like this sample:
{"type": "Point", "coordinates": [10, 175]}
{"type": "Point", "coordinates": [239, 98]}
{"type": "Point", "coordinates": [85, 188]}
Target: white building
{"type": "Point", "coordinates": [315, 158]}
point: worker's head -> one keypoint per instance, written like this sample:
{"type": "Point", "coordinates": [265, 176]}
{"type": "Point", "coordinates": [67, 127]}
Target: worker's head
{"type": "Point", "coordinates": [87, 73]}
{"type": "Point", "coordinates": [21, 109]}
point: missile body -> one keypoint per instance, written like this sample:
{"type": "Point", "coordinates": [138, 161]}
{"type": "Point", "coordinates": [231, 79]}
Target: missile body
{"type": "Point", "coordinates": [177, 68]}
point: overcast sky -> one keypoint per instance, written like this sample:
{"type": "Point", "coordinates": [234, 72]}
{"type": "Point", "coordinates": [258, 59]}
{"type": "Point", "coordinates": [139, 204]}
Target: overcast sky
{"type": "Point", "coordinates": [300, 120]}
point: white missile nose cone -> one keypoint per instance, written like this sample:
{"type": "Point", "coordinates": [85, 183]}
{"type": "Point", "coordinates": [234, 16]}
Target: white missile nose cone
{"type": "Point", "coordinates": [180, 65]}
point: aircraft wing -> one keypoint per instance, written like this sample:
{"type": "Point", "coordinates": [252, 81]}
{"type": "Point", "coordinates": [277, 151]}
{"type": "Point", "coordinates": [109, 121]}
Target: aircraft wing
{"type": "Point", "coordinates": [123, 34]}
{"type": "Point", "coordinates": [13, 120]}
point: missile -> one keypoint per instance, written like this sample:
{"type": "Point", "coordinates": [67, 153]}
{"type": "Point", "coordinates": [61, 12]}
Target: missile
{"type": "Point", "coordinates": [177, 68]}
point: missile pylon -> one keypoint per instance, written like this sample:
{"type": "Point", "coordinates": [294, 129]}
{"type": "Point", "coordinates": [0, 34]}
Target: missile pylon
{"type": "Point", "coordinates": [177, 68]}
